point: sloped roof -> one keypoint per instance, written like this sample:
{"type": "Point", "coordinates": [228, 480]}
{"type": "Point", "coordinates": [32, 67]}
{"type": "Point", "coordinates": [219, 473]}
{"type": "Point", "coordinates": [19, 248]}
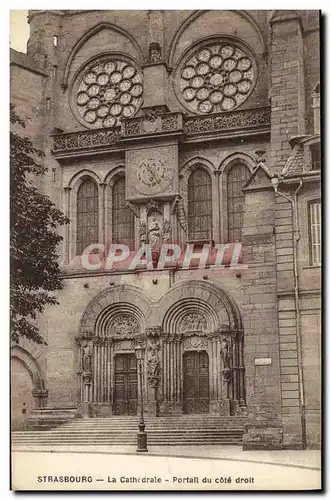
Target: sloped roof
{"type": "Point", "coordinates": [295, 163]}
{"type": "Point", "coordinates": [24, 61]}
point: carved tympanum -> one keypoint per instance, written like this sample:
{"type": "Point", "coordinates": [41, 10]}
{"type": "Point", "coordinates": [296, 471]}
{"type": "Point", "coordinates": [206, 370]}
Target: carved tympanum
{"type": "Point", "coordinates": [124, 325]}
{"type": "Point", "coordinates": [193, 322]}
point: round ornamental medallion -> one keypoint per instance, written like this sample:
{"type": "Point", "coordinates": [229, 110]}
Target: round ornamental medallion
{"type": "Point", "coordinates": [153, 176]}
{"type": "Point", "coordinates": [218, 76]}
{"type": "Point", "coordinates": [107, 90]}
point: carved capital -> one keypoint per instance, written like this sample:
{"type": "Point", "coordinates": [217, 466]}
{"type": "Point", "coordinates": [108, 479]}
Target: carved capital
{"type": "Point", "coordinates": [153, 331]}
{"type": "Point", "coordinates": [226, 373]}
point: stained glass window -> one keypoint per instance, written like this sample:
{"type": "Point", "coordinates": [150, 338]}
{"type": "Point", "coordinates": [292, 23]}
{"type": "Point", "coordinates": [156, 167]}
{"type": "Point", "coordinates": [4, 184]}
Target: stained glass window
{"type": "Point", "coordinates": [236, 179]}
{"type": "Point", "coordinates": [199, 206]}
{"type": "Point", "coordinates": [87, 215]}
{"type": "Point", "coordinates": [122, 217]}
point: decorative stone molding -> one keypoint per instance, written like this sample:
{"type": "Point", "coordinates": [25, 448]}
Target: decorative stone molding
{"type": "Point", "coordinates": [193, 322]}
{"type": "Point", "coordinates": [123, 296]}
{"type": "Point", "coordinates": [152, 123]}
{"type": "Point", "coordinates": [124, 325]}
{"type": "Point", "coordinates": [85, 139]}
{"type": "Point", "coordinates": [195, 343]}
{"type": "Point", "coordinates": [248, 120]}
{"type": "Point", "coordinates": [124, 345]}
{"type": "Point", "coordinates": [243, 119]}
{"type": "Point", "coordinates": [40, 396]}
{"type": "Point", "coordinates": [153, 332]}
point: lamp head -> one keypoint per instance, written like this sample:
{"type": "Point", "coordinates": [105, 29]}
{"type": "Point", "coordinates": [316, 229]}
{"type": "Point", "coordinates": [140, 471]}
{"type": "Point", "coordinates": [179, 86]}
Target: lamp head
{"type": "Point", "coordinates": [139, 349]}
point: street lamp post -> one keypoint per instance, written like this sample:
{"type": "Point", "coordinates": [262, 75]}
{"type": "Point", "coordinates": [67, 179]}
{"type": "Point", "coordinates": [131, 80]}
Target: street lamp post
{"type": "Point", "coordinates": [141, 435]}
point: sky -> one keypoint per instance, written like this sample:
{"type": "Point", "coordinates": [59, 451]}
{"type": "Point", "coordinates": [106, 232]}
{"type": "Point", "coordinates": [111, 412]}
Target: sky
{"type": "Point", "coordinates": [19, 29]}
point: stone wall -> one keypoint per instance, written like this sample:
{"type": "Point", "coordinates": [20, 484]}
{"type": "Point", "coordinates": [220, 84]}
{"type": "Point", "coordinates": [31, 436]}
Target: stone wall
{"type": "Point", "coordinates": [282, 41]}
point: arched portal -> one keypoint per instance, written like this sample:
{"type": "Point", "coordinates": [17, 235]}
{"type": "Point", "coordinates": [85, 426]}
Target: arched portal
{"type": "Point", "coordinates": [192, 340]}
{"type": "Point", "coordinates": [203, 369]}
{"type": "Point", "coordinates": [28, 385]}
{"type": "Point", "coordinates": [112, 325]}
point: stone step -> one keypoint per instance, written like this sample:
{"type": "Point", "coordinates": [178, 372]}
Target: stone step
{"type": "Point", "coordinates": [112, 442]}
{"type": "Point", "coordinates": [131, 433]}
{"type": "Point", "coordinates": [183, 430]}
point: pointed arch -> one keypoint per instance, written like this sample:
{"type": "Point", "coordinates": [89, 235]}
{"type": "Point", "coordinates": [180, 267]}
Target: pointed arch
{"type": "Point", "coordinates": [122, 217]}
{"type": "Point", "coordinates": [195, 15]}
{"type": "Point", "coordinates": [80, 176]}
{"type": "Point", "coordinates": [91, 32]}
{"type": "Point", "coordinates": [235, 171]}
{"type": "Point", "coordinates": [199, 205]}
{"type": "Point", "coordinates": [87, 213]}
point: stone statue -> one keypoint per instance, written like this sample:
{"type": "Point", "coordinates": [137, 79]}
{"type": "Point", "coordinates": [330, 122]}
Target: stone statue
{"type": "Point", "coordinates": [225, 353]}
{"type": "Point", "coordinates": [143, 231]}
{"type": "Point", "coordinates": [153, 364]}
{"type": "Point", "coordinates": [154, 231]}
{"type": "Point", "coordinates": [87, 359]}
{"type": "Point", "coordinates": [154, 52]}
{"type": "Point", "coordinates": [166, 229]}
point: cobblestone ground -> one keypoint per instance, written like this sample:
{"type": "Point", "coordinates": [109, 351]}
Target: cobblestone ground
{"type": "Point", "coordinates": [179, 468]}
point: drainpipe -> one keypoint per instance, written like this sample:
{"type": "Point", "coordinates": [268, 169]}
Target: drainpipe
{"type": "Point", "coordinates": [296, 238]}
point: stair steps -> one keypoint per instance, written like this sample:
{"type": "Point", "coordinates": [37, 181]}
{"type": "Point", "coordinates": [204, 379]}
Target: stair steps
{"type": "Point", "coordinates": [122, 431]}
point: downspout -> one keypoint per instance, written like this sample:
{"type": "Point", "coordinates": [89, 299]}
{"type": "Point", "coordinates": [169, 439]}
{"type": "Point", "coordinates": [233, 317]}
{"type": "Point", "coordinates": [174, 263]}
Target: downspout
{"type": "Point", "coordinates": [296, 238]}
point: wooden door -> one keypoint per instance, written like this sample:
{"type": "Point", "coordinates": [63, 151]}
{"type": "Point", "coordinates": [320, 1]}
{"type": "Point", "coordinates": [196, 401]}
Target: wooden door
{"type": "Point", "coordinates": [196, 382]}
{"type": "Point", "coordinates": [126, 385]}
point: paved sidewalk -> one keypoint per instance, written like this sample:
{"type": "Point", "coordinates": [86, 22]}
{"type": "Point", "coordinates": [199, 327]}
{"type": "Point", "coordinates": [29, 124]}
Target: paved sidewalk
{"type": "Point", "coordinates": [298, 458]}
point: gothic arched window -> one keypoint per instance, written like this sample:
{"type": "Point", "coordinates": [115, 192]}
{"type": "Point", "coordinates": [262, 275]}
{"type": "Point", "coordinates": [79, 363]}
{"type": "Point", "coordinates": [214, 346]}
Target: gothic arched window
{"type": "Point", "coordinates": [122, 217]}
{"type": "Point", "coordinates": [87, 215]}
{"type": "Point", "coordinates": [238, 175]}
{"type": "Point", "coordinates": [199, 206]}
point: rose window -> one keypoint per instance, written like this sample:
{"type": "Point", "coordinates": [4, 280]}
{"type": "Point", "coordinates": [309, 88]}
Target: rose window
{"type": "Point", "coordinates": [107, 91]}
{"type": "Point", "coordinates": [217, 77]}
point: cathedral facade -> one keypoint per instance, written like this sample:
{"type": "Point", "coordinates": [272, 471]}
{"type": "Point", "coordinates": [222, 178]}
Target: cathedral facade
{"type": "Point", "coordinates": [197, 129]}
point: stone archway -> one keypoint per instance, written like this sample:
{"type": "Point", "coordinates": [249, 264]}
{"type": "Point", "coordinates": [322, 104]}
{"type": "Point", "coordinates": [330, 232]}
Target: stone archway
{"type": "Point", "coordinates": [35, 382]}
{"type": "Point", "coordinates": [112, 325]}
{"type": "Point", "coordinates": [192, 316]}
{"type": "Point", "coordinates": [201, 317]}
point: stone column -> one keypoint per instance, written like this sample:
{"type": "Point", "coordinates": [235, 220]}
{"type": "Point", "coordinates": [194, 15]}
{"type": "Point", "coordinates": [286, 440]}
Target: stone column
{"type": "Point", "coordinates": [172, 377]}
{"type": "Point", "coordinates": [40, 397]}
{"type": "Point", "coordinates": [226, 374]}
{"type": "Point", "coordinates": [67, 227]}
{"type": "Point", "coordinates": [217, 208]}
{"type": "Point", "coordinates": [102, 215]}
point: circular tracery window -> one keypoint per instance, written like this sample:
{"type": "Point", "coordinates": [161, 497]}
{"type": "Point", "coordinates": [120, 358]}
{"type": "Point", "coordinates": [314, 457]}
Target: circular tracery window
{"type": "Point", "coordinates": [106, 91]}
{"type": "Point", "coordinates": [219, 76]}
